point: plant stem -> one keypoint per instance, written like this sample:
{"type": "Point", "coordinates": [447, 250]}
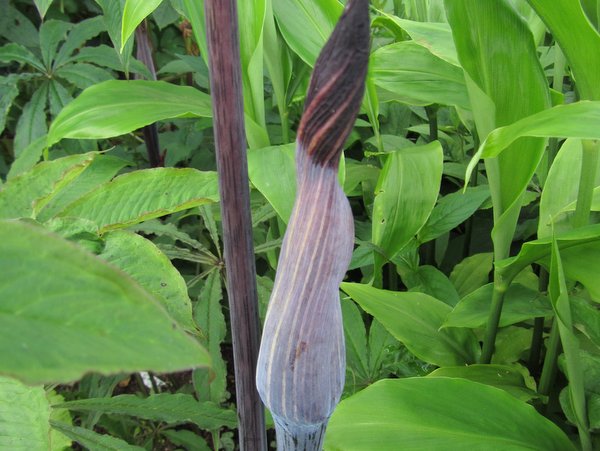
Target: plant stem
{"type": "Point", "coordinates": [549, 369]}
{"type": "Point", "coordinates": [589, 164]}
{"type": "Point", "coordinates": [491, 329]}
{"type": "Point", "coordinates": [538, 329]}
{"type": "Point", "coordinates": [228, 123]}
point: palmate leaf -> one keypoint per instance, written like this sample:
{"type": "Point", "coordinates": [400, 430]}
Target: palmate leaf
{"type": "Point", "coordinates": [66, 312]}
{"type": "Point", "coordinates": [439, 414]}
{"type": "Point", "coordinates": [116, 107]}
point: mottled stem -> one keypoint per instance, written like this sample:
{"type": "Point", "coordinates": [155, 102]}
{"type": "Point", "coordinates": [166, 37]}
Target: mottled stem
{"type": "Point", "coordinates": [301, 365]}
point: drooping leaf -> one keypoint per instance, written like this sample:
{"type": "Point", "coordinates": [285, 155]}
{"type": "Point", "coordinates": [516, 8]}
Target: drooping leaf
{"type": "Point", "coordinates": [520, 303]}
{"type": "Point", "coordinates": [134, 12]}
{"type": "Point", "coordinates": [439, 414]}
{"type": "Point", "coordinates": [406, 192]}
{"type": "Point", "coordinates": [66, 312]}
{"type": "Point", "coordinates": [116, 107]}
{"type": "Point", "coordinates": [415, 319]}
{"type": "Point", "coordinates": [168, 407]}
{"type": "Point", "coordinates": [575, 120]}
{"type": "Point", "coordinates": [152, 270]}
{"type": "Point", "coordinates": [512, 379]}
{"type": "Point", "coordinates": [145, 194]}
{"type": "Point", "coordinates": [273, 172]}
{"type": "Point", "coordinates": [24, 416]}
{"type": "Point", "coordinates": [411, 74]}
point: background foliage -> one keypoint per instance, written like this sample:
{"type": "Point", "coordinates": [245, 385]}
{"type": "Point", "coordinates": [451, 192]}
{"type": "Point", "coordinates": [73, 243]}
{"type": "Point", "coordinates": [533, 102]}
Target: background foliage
{"type": "Point", "coordinates": [473, 176]}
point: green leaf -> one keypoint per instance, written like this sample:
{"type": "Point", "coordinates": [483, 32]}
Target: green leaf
{"type": "Point", "coordinates": [272, 171]}
{"type": "Point", "coordinates": [58, 97]}
{"type": "Point", "coordinates": [18, 53]}
{"type": "Point", "coordinates": [439, 414]}
{"type": "Point", "coordinates": [435, 37]}
{"type": "Point", "coordinates": [415, 319]}
{"type": "Point", "coordinates": [406, 192]}
{"type": "Point", "coordinates": [16, 27]}
{"type": "Point", "coordinates": [92, 440]}
{"type": "Point", "coordinates": [8, 92]}
{"type": "Point", "coordinates": [355, 335]}
{"type": "Point", "coordinates": [83, 75]}
{"type": "Point", "coordinates": [429, 280]}
{"type": "Point", "coordinates": [471, 273]}
{"type": "Point", "coordinates": [42, 6]}
{"type": "Point", "coordinates": [66, 313]}
{"type": "Point", "coordinates": [28, 158]}
{"type": "Point", "coordinates": [32, 122]}
{"type": "Point", "coordinates": [27, 194]}
{"type": "Point", "coordinates": [520, 303]}
{"type": "Point", "coordinates": [211, 384]}
{"type": "Point", "coordinates": [145, 194]}
{"type": "Point", "coordinates": [51, 33]}
{"type": "Point", "coordinates": [581, 48]}
{"type": "Point", "coordinates": [77, 37]}
{"type": "Point", "coordinates": [24, 416]}
{"type": "Point", "coordinates": [116, 107]}
{"type": "Point", "coordinates": [306, 24]}
{"type": "Point", "coordinates": [411, 74]}
{"type": "Point", "coordinates": [513, 379]}
{"type": "Point", "coordinates": [152, 270]}
{"type": "Point", "coordinates": [134, 12]}
{"type": "Point", "coordinates": [452, 210]}
{"type": "Point", "coordinates": [586, 318]}
{"type": "Point", "coordinates": [575, 120]}
{"type": "Point", "coordinates": [167, 407]}
{"type": "Point", "coordinates": [102, 169]}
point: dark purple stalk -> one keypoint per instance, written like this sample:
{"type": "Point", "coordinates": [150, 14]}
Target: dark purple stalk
{"type": "Point", "coordinates": [228, 123]}
{"type": "Point", "coordinates": [301, 365]}
{"type": "Point", "coordinates": [144, 54]}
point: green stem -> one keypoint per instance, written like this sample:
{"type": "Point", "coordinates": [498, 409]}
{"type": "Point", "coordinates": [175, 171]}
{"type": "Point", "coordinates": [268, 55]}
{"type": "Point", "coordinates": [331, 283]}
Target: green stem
{"type": "Point", "coordinates": [550, 367]}
{"type": "Point", "coordinates": [491, 330]}
{"type": "Point", "coordinates": [589, 163]}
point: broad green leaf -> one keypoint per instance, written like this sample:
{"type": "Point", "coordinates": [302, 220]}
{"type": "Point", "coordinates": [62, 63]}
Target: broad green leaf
{"type": "Point", "coordinates": [355, 334]}
{"type": "Point", "coordinates": [452, 210]}
{"type": "Point", "coordinates": [106, 56]}
{"type": "Point", "coordinates": [167, 407]}
{"type": "Point", "coordinates": [211, 384]}
{"type": "Point", "coordinates": [42, 6]}
{"type": "Point", "coordinates": [116, 107]}
{"type": "Point", "coordinates": [152, 270]}
{"type": "Point", "coordinates": [435, 37]}
{"type": "Point", "coordinates": [559, 296]}
{"type": "Point", "coordinates": [15, 52]}
{"type": "Point", "coordinates": [576, 246]}
{"type": "Point", "coordinates": [581, 48]}
{"type": "Point", "coordinates": [560, 189]}
{"type": "Point", "coordinates": [16, 27]}
{"type": "Point", "coordinates": [586, 318]}
{"type": "Point", "coordinates": [512, 345]}
{"type": "Point", "coordinates": [273, 172]}
{"type": "Point", "coordinates": [93, 440]}
{"type": "Point", "coordinates": [101, 170]}
{"type": "Point", "coordinates": [194, 12]}
{"type": "Point", "coordinates": [406, 192]}
{"type": "Point", "coordinates": [66, 313]}
{"type": "Point", "coordinates": [32, 122]}
{"type": "Point", "coordinates": [471, 273]}
{"type": "Point", "coordinates": [439, 414]}
{"type": "Point", "coordinates": [24, 416]}
{"type": "Point", "coordinates": [306, 24]}
{"type": "Point", "coordinates": [134, 12]}
{"type": "Point", "coordinates": [186, 439]}
{"type": "Point", "coordinates": [113, 21]}
{"type": "Point", "coordinates": [144, 194]}
{"type": "Point", "coordinates": [58, 441]}
{"type": "Point", "coordinates": [575, 120]}
{"type": "Point", "coordinates": [496, 49]}
{"type": "Point", "coordinates": [8, 92]}
{"type": "Point", "coordinates": [429, 280]}
{"type": "Point", "coordinates": [520, 303]}
{"type": "Point", "coordinates": [411, 74]}
{"type": "Point", "coordinates": [415, 319]}
{"type": "Point", "coordinates": [25, 195]}
{"type": "Point", "coordinates": [513, 379]}
{"type": "Point", "coordinates": [51, 33]}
